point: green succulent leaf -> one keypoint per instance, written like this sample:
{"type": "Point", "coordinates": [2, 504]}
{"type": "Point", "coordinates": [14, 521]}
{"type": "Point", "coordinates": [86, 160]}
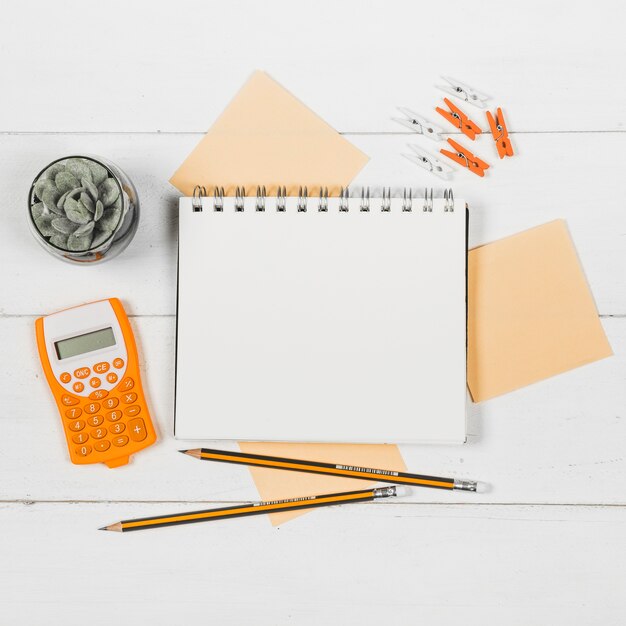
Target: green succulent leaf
{"type": "Point", "coordinates": [64, 226]}
{"type": "Point", "coordinates": [98, 173]}
{"type": "Point", "coordinates": [43, 185]}
{"type": "Point", "coordinates": [90, 187]}
{"type": "Point", "coordinates": [78, 168]}
{"type": "Point", "coordinates": [50, 199]}
{"type": "Point", "coordinates": [44, 225]}
{"type": "Point", "coordinates": [100, 236]}
{"type": "Point", "coordinates": [76, 211]}
{"type": "Point", "coordinates": [110, 219]}
{"type": "Point", "coordinates": [79, 243]}
{"type": "Point", "coordinates": [85, 229]}
{"type": "Point", "coordinates": [59, 240]}
{"type": "Point", "coordinates": [87, 201]}
{"type": "Point", "coordinates": [52, 171]}
{"type": "Point", "coordinates": [65, 181]}
{"type": "Point", "coordinates": [109, 192]}
{"type": "Point", "coordinates": [99, 211]}
{"type": "Point", "coordinates": [37, 210]}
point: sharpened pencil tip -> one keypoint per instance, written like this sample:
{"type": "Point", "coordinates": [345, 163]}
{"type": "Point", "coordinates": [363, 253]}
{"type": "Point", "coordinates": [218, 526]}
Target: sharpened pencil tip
{"type": "Point", "coordinates": [196, 453]}
{"type": "Point", "coordinates": [103, 528]}
{"type": "Point", "coordinates": [183, 451]}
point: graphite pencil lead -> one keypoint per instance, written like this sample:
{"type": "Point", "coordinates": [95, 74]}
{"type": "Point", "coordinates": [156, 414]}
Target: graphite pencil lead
{"type": "Point", "coordinates": [197, 453]}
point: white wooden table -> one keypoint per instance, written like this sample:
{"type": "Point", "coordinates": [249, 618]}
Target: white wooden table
{"type": "Point", "coordinates": [139, 83]}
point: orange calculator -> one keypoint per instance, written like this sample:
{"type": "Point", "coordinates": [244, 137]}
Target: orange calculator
{"type": "Point", "coordinates": [89, 357]}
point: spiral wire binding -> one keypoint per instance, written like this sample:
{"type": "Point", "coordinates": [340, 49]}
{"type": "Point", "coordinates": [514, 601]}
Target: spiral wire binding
{"type": "Point", "coordinates": [448, 198]}
{"type": "Point", "coordinates": [218, 199]}
{"type": "Point", "coordinates": [199, 192]}
{"type": "Point", "coordinates": [323, 203]}
{"type": "Point", "coordinates": [260, 198]}
{"type": "Point", "coordinates": [428, 203]}
{"type": "Point", "coordinates": [303, 196]}
{"type": "Point", "coordinates": [281, 199]}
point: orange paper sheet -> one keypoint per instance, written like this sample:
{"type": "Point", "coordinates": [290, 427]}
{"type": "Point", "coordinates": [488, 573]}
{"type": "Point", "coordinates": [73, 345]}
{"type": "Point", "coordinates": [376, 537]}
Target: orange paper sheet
{"type": "Point", "coordinates": [531, 314]}
{"type": "Point", "coordinates": [277, 484]}
{"type": "Point", "coordinates": [266, 136]}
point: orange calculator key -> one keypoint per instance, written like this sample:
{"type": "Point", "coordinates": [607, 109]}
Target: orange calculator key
{"type": "Point", "coordinates": [111, 377]}
{"type": "Point", "coordinates": [95, 382]}
{"type": "Point", "coordinates": [131, 411]}
{"type": "Point", "coordinates": [113, 416]}
{"type": "Point", "coordinates": [129, 398]}
{"type": "Point", "coordinates": [95, 420]}
{"type": "Point", "coordinates": [102, 446]}
{"type": "Point", "coordinates": [118, 427]}
{"type": "Point", "coordinates": [65, 377]}
{"type": "Point", "coordinates": [98, 433]}
{"type": "Point", "coordinates": [101, 368]}
{"type": "Point", "coordinates": [118, 363]}
{"type": "Point", "coordinates": [82, 372]}
{"type": "Point", "coordinates": [77, 425]}
{"type": "Point", "coordinates": [78, 386]}
{"type": "Point", "coordinates": [73, 413]}
{"type": "Point", "coordinates": [83, 450]}
{"type": "Point", "coordinates": [137, 429]}
{"type": "Point", "coordinates": [92, 407]}
{"type": "Point", "coordinates": [80, 438]}
{"type": "Point", "coordinates": [110, 403]}
{"type": "Point", "coordinates": [98, 394]}
{"type": "Point", "coordinates": [120, 441]}
{"type": "Point", "coordinates": [126, 385]}
{"type": "Point", "coordinates": [68, 400]}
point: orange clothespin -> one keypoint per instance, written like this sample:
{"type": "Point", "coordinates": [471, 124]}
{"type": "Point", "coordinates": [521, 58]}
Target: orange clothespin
{"type": "Point", "coordinates": [465, 158]}
{"type": "Point", "coordinates": [500, 133]}
{"type": "Point", "coordinates": [457, 118]}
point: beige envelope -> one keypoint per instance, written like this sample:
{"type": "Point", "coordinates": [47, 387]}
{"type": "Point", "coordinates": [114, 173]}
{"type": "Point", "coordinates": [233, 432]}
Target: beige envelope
{"type": "Point", "coordinates": [266, 136]}
{"type": "Point", "coordinates": [531, 314]}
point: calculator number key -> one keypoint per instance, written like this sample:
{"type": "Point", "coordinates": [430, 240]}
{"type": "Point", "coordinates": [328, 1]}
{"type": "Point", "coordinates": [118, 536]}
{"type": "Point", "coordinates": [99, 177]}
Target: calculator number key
{"type": "Point", "coordinates": [113, 416]}
{"type": "Point", "coordinates": [83, 450]}
{"type": "Point", "coordinates": [98, 433]}
{"type": "Point", "coordinates": [92, 407]}
{"type": "Point", "coordinates": [73, 413]}
{"type": "Point", "coordinates": [118, 427]}
{"type": "Point", "coordinates": [110, 403]}
{"type": "Point", "coordinates": [80, 438]}
{"type": "Point", "coordinates": [76, 425]}
{"type": "Point", "coordinates": [95, 420]}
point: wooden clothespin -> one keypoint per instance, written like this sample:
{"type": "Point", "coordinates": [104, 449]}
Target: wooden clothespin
{"type": "Point", "coordinates": [419, 124]}
{"type": "Point", "coordinates": [457, 118]}
{"type": "Point", "coordinates": [464, 157]}
{"type": "Point", "coordinates": [464, 92]}
{"type": "Point", "coordinates": [500, 133]}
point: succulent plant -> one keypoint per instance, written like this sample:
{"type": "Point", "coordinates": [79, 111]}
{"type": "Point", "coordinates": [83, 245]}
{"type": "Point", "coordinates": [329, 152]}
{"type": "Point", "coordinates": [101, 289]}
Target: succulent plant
{"type": "Point", "coordinates": [77, 204]}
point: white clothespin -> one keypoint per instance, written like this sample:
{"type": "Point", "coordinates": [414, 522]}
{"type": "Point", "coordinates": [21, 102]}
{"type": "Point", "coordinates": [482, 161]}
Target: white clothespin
{"type": "Point", "coordinates": [419, 124]}
{"type": "Point", "coordinates": [464, 92]}
{"type": "Point", "coordinates": [428, 162]}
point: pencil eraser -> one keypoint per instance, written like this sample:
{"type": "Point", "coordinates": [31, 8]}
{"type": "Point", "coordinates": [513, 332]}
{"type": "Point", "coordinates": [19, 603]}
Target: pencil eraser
{"type": "Point", "coordinates": [482, 487]}
{"type": "Point", "coordinates": [402, 490]}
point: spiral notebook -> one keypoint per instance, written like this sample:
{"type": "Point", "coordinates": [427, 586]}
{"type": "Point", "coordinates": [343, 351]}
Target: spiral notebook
{"type": "Point", "coordinates": [322, 319]}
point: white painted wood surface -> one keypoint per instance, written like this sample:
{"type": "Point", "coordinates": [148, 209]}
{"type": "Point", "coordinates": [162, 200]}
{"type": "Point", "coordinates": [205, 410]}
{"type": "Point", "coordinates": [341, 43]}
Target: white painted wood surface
{"type": "Point", "coordinates": [139, 83]}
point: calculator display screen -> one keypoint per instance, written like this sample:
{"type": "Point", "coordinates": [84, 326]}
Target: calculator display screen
{"type": "Point", "coordinates": [85, 343]}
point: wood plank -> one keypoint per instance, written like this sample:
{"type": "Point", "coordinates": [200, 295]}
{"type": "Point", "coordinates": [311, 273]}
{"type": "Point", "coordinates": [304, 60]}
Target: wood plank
{"type": "Point", "coordinates": [175, 70]}
{"type": "Point", "coordinates": [359, 564]}
{"type": "Point", "coordinates": [559, 441]}
{"type": "Point", "coordinates": [551, 178]}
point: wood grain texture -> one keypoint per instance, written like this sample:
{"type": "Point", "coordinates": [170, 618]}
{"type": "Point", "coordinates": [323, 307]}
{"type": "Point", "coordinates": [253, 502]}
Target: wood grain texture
{"type": "Point", "coordinates": [138, 83]}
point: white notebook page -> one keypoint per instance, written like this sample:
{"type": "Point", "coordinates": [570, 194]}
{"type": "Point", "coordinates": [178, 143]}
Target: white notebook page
{"type": "Point", "coordinates": [321, 326]}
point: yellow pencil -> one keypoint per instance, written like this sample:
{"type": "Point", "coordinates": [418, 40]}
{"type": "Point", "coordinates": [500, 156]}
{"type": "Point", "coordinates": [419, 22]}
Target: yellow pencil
{"type": "Point", "coordinates": [274, 506]}
{"type": "Point", "coordinates": [332, 469]}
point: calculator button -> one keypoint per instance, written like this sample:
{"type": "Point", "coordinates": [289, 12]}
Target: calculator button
{"type": "Point", "coordinates": [129, 398]}
{"type": "Point", "coordinates": [83, 450]}
{"type": "Point", "coordinates": [92, 407]}
{"type": "Point", "coordinates": [112, 377]}
{"type": "Point", "coordinates": [120, 441]}
{"type": "Point", "coordinates": [118, 427]}
{"type": "Point", "coordinates": [73, 413]}
{"type": "Point", "coordinates": [78, 386]}
{"type": "Point", "coordinates": [65, 377]}
{"type": "Point", "coordinates": [110, 403]}
{"type": "Point", "coordinates": [95, 420]}
{"type": "Point", "coordinates": [68, 400]}
{"type": "Point", "coordinates": [98, 394]}
{"type": "Point", "coordinates": [118, 363]}
{"type": "Point", "coordinates": [101, 446]}
{"type": "Point", "coordinates": [113, 416]}
{"type": "Point", "coordinates": [126, 385]}
{"type": "Point", "coordinates": [76, 425]}
{"type": "Point", "coordinates": [98, 433]}
{"type": "Point", "coordinates": [95, 382]}
{"type": "Point", "coordinates": [82, 372]}
{"type": "Point", "coordinates": [101, 368]}
{"type": "Point", "coordinates": [137, 429]}
{"type": "Point", "coordinates": [131, 411]}
{"type": "Point", "coordinates": [80, 438]}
